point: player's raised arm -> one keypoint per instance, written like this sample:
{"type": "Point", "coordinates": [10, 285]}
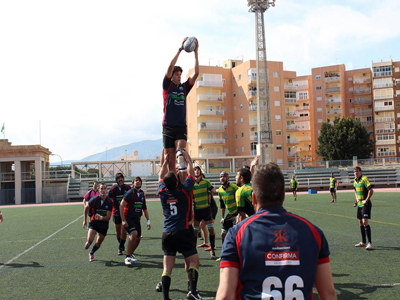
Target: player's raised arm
{"type": "Point", "coordinates": [174, 60]}
{"type": "Point", "coordinates": [164, 166]}
{"type": "Point", "coordinates": [194, 76]}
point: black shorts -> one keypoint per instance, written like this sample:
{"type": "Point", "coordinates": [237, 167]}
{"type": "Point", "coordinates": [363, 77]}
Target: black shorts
{"type": "Point", "coordinates": [229, 222]}
{"type": "Point", "coordinates": [365, 211]}
{"type": "Point", "coordinates": [117, 219]}
{"type": "Point", "coordinates": [214, 208]}
{"type": "Point", "coordinates": [179, 241]}
{"type": "Point", "coordinates": [203, 214]}
{"type": "Point", "coordinates": [332, 190]}
{"type": "Point", "coordinates": [134, 225]}
{"type": "Point", "coordinates": [293, 190]}
{"type": "Point", "coordinates": [99, 226]}
{"type": "Point", "coordinates": [172, 134]}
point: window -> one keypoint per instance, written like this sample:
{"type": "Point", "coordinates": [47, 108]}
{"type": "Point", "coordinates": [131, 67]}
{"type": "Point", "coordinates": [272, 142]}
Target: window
{"type": "Point", "coordinates": [350, 89]}
{"type": "Point", "coordinates": [351, 100]}
{"type": "Point", "coordinates": [240, 91]}
{"type": "Point", "coordinates": [241, 105]}
{"type": "Point", "coordinates": [277, 117]}
{"type": "Point", "coordinates": [278, 132]}
{"type": "Point", "coordinates": [278, 147]}
{"type": "Point", "coordinates": [303, 95]}
{"type": "Point", "coordinates": [234, 108]}
{"type": "Point", "coordinates": [235, 122]}
{"type": "Point", "coordinates": [319, 120]}
{"type": "Point", "coordinates": [242, 149]}
{"type": "Point", "coordinates": [235, 136]}
{"type": "Point", "coordinates": [240, 77]}
{"type": "Point", "coordinates": [317, 76]}
{"type": "Point", "coordinates": [319, 98]}
{"type": "Point", "coordinates": [234, 94]}
{"type": "Point", "coordinates": [241, 120]}
{"type": "Point", "coordinates": [225, 136]}
{"type": "Point", "coordinates": [352, 110]}
{"type": "Point", "coordinates": [276, 74]}
{"type": "Point", "coordinates": [276, 88]}
{"type": "Point", "coordinates": [236, 150]}
{"type": "Point", "coordinates": [319, 109]}
{"type": "Point", "coordinates": [242, 134]}
{"type": "Point", "coordinates": [277, 103]}
{"type": "Point", "coordinates": [318, 87]}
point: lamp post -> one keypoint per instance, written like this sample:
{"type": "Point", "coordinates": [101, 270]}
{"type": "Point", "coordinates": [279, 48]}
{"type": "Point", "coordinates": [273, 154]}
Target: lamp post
{"type": "Point", "coordinates": [53, 154]}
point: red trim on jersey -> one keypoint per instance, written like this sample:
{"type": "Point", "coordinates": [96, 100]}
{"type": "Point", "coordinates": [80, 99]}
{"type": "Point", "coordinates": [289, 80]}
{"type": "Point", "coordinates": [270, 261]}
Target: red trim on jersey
{"type": "Point", "coordinates": [165, 97]}
{"type": "Point", "coordinates": [188, 211]}
{"type": "Point", "coordinates": [323, 260]}
{"type": "Point", "coordinates": [313, 229]}
{"type": "Point", "coordinates": [229, 264]}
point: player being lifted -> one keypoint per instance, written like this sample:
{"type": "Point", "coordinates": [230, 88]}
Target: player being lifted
{"type": "Point", "coordinates": [174, 121]}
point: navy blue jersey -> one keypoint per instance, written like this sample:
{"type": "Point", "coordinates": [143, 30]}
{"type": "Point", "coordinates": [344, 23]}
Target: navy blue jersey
{"type": "Point", "coordinates": [177, 205]}
{"type": "Point", "coordinates": [116, 194]}
{"type": "Point", "coordinates": [96, 207]}
{"type": "Point", "coordinates": [175, 102]}
{"type": "Point", "coordinates": [136, 202]}
{"type": "Point", "coordinates": [277, 253]}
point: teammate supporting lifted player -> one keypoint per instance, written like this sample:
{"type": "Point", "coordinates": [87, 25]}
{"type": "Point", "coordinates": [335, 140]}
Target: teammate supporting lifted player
{"type": "Point", "coordinates": [174, 121]}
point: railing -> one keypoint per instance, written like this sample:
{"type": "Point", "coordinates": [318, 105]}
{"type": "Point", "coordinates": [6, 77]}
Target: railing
{"type": "Point", "coordinates": [302, 108]}
{"type": "Point", "coordinates": [201, 83]}
{"type": "Point", "coordinates": [291, 127]}
{"type": "Point", "coordinates": [333, 100]}
{"type": "Point", "coordinates": [209, 155]}
{"type": "Point", "coordinates": [332, 89]}
{"type": "Point", "coordinates": [382, 108]}
{"type": "Point", "coordinates": [304, 138]}
{"type": "Point", "coordinates": [363, 101]}
{"type": "Point", "coordinates": [211, 141]}
{"type": "Point", "coordinates": [207, 112]}
{"type": "Point", "coordinates": [27, 176]}
{"type": "Point", "coordinates": [383, 85]}
{"type": "Point", "coordinates": [367, 123]}
{"type": "Point", "coordinates": [361, 80]}
{"type": "Point", "coordinates": [302, 87]}
{"type": "Point", "coordinates": [384, 119]}
{"type": "Point", "coordinates": [386, 142]}
{"type": "Point", "coordinates": [291, 114]}
{"type": "Point", "coordinates": [362, 91]}
{"type": "Point", "coordinates": [8, 176]}
{"type": "Point", "coordinates": [253, 138]}
{"type": "Point", "coordinates": [303, 128]}
{"type": "Point", "coordinates": [383, 131]}
{"type": "Point", "coordinates": [253, 122]}
{"type": "Point", "coordinates": [253, 107]}
{"type": "Point", "coordinates": [363, 112]}
{"type": "Point", "coordinates": [334, 112]}
{"type": "Point", "coordinates": [212, 126]}
{"type": "Point", "coordinates": [252, 93]}
{"type": "Point", "coordinates": [332, 79]}
{"type": "Point", "coordinates": [292, 141]}
{"type": "Point", "coordinates": [209, 98]}
{"type": "Point", "coordinates": [293, 154]}
{"type": "Point", "coordinates": [290, 87]}
{"type": "Point", "coordinates": [290, 100]}
{"type": "Point", "coordinates": [251, 78]}
{"type": "Point", "coordinates": [387, 153]}
{"type": "Point", "coordinates": [381, 97]}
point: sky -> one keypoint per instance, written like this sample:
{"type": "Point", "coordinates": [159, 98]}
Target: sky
{"type": "Point", "coordinates": [80, 76]}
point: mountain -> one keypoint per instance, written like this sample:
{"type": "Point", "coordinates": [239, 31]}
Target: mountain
{"type": "Point", "coordinates": [147, 150]}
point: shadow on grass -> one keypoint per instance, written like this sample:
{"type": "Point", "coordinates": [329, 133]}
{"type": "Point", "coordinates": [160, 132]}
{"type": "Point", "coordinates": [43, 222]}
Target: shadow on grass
{"type": "Point", "coordinates": [387, 248]}
{"type": "Point", "coordinates": [31, 265]}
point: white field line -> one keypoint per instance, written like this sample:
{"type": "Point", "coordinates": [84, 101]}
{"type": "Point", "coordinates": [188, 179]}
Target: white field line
{"type": "Point", "coordinates": [38, 243]}
{"type": "Point", "coordinates": [377, 285]}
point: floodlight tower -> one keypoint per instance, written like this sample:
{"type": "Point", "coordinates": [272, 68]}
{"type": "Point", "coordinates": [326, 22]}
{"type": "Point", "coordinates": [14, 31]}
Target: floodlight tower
{"type": "Point", "coordinates": [265, 148]}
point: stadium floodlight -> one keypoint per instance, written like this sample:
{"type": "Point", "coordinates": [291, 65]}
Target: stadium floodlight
{"type": "Point", "coordinates": [265, 147]}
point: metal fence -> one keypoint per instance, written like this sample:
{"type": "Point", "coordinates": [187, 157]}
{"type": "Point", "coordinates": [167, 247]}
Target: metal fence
{"type": "Point", "coordinates": [7, 196]}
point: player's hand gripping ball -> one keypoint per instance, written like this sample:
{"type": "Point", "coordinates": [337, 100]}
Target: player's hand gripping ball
{"type": "Point", "coordinates": [190, 44]}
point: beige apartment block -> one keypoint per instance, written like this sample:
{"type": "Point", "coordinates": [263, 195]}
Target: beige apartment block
{"type": "Point", "coordinates": [222, 108]}
{"type": "Point", "coordinates": [386, 92]}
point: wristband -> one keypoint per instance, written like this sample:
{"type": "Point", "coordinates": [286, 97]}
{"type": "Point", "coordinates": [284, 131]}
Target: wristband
{"type": "Point", "coordinates": [222, 218]}
{"type": "Point", "coordinates": [101, 218]}
{"type": "Point", "coordinates": [148, 222]}
{"type": "Point", "coordinates": [180, 49]}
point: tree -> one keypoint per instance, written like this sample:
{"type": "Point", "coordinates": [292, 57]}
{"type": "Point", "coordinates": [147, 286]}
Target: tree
{"type": "Point", "coordinates": [344, 139]}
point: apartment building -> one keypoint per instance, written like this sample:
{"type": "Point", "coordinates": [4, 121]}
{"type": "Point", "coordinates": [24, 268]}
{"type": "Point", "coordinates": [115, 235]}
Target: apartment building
{"type": "Point", "coordinates": [222, 108]}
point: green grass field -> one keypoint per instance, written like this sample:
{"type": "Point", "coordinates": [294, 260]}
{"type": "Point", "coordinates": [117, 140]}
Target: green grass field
{"type": "Point", "coordinates": [42, 255]}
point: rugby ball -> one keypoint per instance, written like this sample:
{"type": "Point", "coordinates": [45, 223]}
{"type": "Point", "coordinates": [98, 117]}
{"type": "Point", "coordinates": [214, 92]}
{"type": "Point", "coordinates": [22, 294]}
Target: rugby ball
{"type": "Point", "coordinates": [190, 44]}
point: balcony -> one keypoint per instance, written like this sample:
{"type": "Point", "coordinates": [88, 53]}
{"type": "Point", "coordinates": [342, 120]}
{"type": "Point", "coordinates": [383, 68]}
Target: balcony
{"type": "Point", "coordinates": [211, 155]}
{"type": "Point", "coordinates": [335, 89]}
{"type": "Point", "coordinates": [383, 74]}
{"type": "Point", "coordinates": [302, 108]}
{"type": "Point", "coordinates": [332, 79]}
{"type": "Point", "coordinates": [291, 114]}
{"type": "Point", "coordinates": [304, 138]}
{"type": "Point", "coordinates": [381, 97]}
{"type": "Point", "coordinates": [206, 98]}
{"type": "Point", "coordinates": [252, 94]}
{"type": "Point", "coordinates": [303, 128]}
{"type": "Point", "coordinates": [291, 127]}
{"type": "Point", "coordinates": [290, 87]}
{"type": "Point", "coordinates": [292, 141]}
{"type": "Point", "coordinates": [362, 91]}
{"type": "Point", "coordinates": [361, 101]}
{"type": "Point", "coordinates": [387, 153]}
{"type": "Point", "coordinates": [384, 108]}
{"type": "Point", "coordinates": [253, 138]}
{"type": "Point", "coordinates": [334, 112]}
{"type": "Point", "coordinates": [290, 101]}
{"type": "Point", "coordinates": [333, 100]}
{"type": "Point", "coordinates": [293, 154]}
{"type": "Point", "coordinates": [383, 85]}
{"type": "Point", "coordinates": [361, 80]}
{"type": "Point", "coordinates": [363, 112]}
{"type": "Point", "coordinates": [253, 122]}
{"type": "Point", "coordinates": [386, 142]}
{"type": "Point", "coordinates": [206, 112]}
{"type": "Point", "coordinates": [252, 77]}
{"type": "Point", "coordinates": [211, 141]}
{"type": "Point", "coordinates": [253, 107]}
{"type": "Point", "coordinates": [384, 119]}
{"type": "Point", "coordinates": [208, 83]}
{"type": "Point", "coordinates": [211, 127]}
{"type": "Point", "coordinates": [385, 130]}
{"type": "Point", "coordinates": [367, 123]}
{"type": "Point", "coordinates": [302, 87]}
